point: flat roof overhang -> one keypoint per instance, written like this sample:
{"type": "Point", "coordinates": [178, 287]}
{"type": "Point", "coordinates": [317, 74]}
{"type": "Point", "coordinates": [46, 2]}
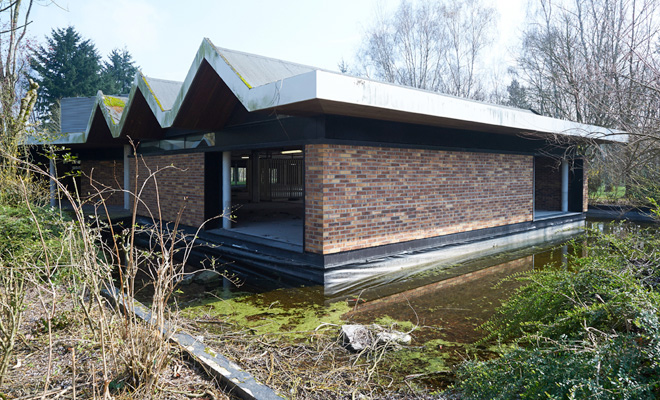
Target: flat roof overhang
{"type": "Point", "coordinates": [322, 92]}
{"type": "Point", "coordinates": [216, 92]}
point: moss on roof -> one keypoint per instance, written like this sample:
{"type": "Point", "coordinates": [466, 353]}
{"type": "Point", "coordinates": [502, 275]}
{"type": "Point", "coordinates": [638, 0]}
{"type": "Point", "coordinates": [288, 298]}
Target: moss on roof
{"type": "Point", "coordinates": [113, 101]}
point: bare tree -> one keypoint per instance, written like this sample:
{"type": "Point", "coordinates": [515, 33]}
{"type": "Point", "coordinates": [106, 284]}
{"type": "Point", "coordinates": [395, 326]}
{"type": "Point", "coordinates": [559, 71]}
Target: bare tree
{"type": "Point", "coordinates": [585, 60]}
{"type": "Point", "coordinates": [435, 46]}
{"type": "Point", "coordinates": [595, 61]}
{"type": "Point", "coordinates": [13, 114]}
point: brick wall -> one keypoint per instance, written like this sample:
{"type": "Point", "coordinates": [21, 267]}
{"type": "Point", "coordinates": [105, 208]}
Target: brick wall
{"type": "Point", "coordinates": [102, 178]}
{"type": "Point", "coordinates": [358, 197]}
{"type": "Point", "coordinates": [180, 184]}
{"type": "Point", "coordinates": [547, 191]}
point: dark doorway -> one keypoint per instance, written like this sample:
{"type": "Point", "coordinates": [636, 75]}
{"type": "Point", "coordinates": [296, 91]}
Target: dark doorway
{"type": "Point", "coordinates": [267, 194]}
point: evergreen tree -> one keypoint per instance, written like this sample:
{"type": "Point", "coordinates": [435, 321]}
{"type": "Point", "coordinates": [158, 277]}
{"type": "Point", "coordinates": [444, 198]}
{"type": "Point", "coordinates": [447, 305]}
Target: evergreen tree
{"type": "Point", "coordinates": [517, 95]}
{"type": "Point", "coordinates": [67, 66]}
{"type": "Point", "coordinates": [118, 73]}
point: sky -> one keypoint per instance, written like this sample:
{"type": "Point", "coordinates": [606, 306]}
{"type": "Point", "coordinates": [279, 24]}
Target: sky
{"type": "Point", "coordinates": [164, 35]}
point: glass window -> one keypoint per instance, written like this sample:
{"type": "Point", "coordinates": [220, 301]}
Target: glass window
{"type": "Point", "coordinates": [201, 140]}
{"type": "Point", "coordinates": [172, 144]}
{"type": "Point", "coordinates": [149, 146]}
{"type": "Point", "coordinates": [238, 176]}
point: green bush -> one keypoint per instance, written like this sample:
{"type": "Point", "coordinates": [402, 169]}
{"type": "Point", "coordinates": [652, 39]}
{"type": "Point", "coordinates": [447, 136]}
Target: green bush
{"type": "Point", "coordinates": [620, 368]}
{"type": "Point", "coordinates": [590, 331]}
{"type": "Point", "coordinates": [21, 239]}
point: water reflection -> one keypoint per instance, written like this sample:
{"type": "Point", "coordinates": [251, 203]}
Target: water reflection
{"type": "Point", "coordinates": [446, 302]}
{"type": "Point", "coordinates": [452, 298]}
{"type": "Point", "coordinates": [460, 303]}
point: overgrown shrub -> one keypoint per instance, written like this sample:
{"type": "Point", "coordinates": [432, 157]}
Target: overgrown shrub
{"type": "Point", "coordinates": [22, 230]}
{"type": "Point", "coordinates": [32, 241]}
{"type": "Point", "coordinates": [644, 185]}
{"type": "Point", "coordinates": [621, 367]}
{"type": "Point", "coordinates": [589, 331]}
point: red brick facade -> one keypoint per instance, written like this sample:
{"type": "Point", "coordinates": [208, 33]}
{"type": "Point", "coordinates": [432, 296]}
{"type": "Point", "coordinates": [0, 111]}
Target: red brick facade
{"type": "Point", "coordinates": [358, 197]}
{"type": "Point", "coordinates": [104, 178]}
{"type": "Point", "coordinates": [179, 183]}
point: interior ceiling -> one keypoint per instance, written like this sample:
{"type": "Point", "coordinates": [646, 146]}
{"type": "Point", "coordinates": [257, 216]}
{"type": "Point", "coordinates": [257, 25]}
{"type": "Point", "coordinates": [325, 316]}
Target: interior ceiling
{"type": "Point", "coordinates": [140, 121]}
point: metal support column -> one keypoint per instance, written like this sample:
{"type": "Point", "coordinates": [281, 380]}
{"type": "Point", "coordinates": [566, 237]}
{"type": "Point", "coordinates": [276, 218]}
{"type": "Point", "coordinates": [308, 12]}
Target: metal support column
{"type": "Point", "coordinates": [564, 185]}
{"type": "Point", "coordinates": [226, 189]}
{"type": "Point", "coordinates": [254, 178]}
{"type": "Point", "coordinates": [127, 177]}
{"type": "Point", "coordinates": [53, 187]}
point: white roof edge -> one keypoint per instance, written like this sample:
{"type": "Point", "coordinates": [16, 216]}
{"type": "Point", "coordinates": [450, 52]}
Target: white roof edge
{"type": "Point", "coordinates": [347, 89]}
{"type": "Point", "coordinates": [329, 86]}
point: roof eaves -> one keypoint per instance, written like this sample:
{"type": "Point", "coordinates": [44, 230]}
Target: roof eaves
{"type": "Point", "coordinates": [63, 139]}
{"type": "Point", "coordinates": [328, 87]}
{"type": "Point", "coordinates": [340, 88]}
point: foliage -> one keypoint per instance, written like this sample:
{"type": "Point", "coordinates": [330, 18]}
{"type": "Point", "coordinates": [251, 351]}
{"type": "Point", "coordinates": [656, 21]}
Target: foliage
{"type": "Point", "coordinates": [118, 72]}
{"type": "Point", "coordinates": [645, 187]}
{"type": "Point", "coordinates": [431, 45]}
{"type": "Point", "coordinates": [51, 259]}
{"type": "Point", "coordinates": [22, 230]}
{"type": "Point", "coordinates": [67, 66]}
{"type": "Point", "coordinates": [607, 194]}
{"type": "Point", "coordinates": [655, 208]}
{"type": "Point", "coordinates": [616, 369]}
{"type": "Point", "coordinates": [588, 331]}
{"type": "Point", "coordinates": [517, 95]}
{"type": "Point", "coordinates": [70, 66]}
{"type": "Point", "coordinates": [14, 185]}
{"type": "Point", "coordinates": [31, 239]}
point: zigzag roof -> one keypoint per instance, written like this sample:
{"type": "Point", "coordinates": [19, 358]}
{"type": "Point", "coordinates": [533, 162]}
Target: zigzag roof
{"type": "Point", "coordinates": [221, 82]}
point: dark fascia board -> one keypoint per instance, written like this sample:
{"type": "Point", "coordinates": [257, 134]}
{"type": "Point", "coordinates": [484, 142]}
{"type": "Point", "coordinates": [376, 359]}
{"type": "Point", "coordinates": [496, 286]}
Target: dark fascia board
{"type": "Point", "coordinates": [299, 131]}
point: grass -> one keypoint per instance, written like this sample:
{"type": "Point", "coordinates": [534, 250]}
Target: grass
{"type": "Point", "coordinates": [616, 195]}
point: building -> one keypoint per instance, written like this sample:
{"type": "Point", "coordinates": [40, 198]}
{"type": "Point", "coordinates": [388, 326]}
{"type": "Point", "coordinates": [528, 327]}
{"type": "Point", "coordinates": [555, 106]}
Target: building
{"type": "Point", "coordinates": [328, 177]}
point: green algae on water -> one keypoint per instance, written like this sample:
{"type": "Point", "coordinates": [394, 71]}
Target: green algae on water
{"type": "Point", "coordinates": [293, 315]}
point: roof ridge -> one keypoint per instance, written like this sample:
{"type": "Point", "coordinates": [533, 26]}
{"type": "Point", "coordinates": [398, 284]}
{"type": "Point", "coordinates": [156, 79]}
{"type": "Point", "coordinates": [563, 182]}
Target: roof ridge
{"type": "Point", "coordinates": [162, 80]}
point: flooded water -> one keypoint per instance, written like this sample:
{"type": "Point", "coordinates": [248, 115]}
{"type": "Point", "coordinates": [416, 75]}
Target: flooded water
{"type": "Point", "coordinates": [445, 305]}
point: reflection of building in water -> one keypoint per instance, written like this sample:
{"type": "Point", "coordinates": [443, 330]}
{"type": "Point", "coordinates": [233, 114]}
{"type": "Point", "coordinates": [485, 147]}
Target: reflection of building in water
{"type": "Point", "coordinates": [457, 304]}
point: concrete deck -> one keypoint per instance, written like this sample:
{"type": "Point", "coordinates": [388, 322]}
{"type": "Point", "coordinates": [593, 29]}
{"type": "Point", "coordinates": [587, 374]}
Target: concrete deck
{"type": "Point", "coordinates": [278, 221]}
{"type": "Point", "coordinates": [340, 272]}
{"type": "Point", "coordinates": [540, 215]}
{"type": "Point", "coordinates": [282, 222]}
{"type": "Point", "coordinates": [116, 213]}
